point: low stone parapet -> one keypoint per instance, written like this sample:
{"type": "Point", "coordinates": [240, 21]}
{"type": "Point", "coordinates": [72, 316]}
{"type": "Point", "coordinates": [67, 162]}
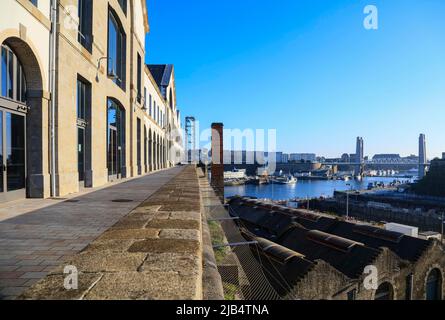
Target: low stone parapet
{"type": "Point", "coordinates": [156, 252]}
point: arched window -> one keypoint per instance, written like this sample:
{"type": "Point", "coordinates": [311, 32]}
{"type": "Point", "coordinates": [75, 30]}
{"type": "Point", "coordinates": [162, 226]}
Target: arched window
{"type": "Point", "coordinates": [117, 45]}
{"type": "Point", "coordinates": [115, 139]}
{"type": "Point", "coordinates": [384, 292]}
{"type": "Point", "coordinates": [13, 82]}
{"type": "Point", "coordinates": [434, 285]}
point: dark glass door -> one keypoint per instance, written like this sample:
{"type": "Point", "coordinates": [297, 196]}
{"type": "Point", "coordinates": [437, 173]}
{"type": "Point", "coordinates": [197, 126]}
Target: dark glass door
{"type": "Point", "coordinates": [81, 153]}
{"type": "Point", "coordinates": [112, 152]}
{"type": "Point", "coordinates": [12, 156]}
{"type": "Point", "coordinates": [3, 167]}
{"type": "Point", "coordinates": [15, 151]}
{"type": "Point", "coordinates": [116, 141]}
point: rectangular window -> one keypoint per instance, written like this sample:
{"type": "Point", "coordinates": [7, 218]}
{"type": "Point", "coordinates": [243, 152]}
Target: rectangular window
{"type": "Point", "coordinates": [154, 110]}
{"type": "Point", "coordinates": [123, 4]}
{"type": "Point", "coordinates": [409, 287]}
{"type": "Point", "coordinates": [139, 146]}
{"type": "Point", "coordinates": [4, 69]}
{"type": "Point", "coordinates": [150, 105]}
{"type": "Point", "coordinates": [139, 79]}
{"type": "Point", "coordinates": [352, 295]}
{"type": "Point", "coordinates": [83, 99]}
{"type": "Point", "coordinates": [85, 11]}
{"type": "Point", "coordinates": [10, 93]}
{"type": "Point", "coordinates": [145, 98]}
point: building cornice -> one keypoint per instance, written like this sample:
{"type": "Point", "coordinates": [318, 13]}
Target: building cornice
{"type": "Point", "coordinates": [36, 13]}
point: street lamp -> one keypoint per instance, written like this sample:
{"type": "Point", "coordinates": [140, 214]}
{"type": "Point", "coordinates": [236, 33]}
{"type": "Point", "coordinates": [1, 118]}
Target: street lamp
{"type": "Point", "coordinates": [347, 200]}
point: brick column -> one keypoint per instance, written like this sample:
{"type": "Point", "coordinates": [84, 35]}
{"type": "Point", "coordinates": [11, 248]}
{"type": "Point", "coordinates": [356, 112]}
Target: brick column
{"type": "Point", "coordinates": [217, 180]}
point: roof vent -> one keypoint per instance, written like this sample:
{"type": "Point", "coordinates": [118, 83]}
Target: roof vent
{"type": "Point", "coordinates": [304, 214]}
{"type": "Point", "coordinates": [277, 252]}
{"type": "Point", "coordinates": [329, 240]}
{"type": "Point", "coordinates": [378, 233]}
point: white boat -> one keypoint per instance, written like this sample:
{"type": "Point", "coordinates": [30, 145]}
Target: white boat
{"type": "Point", "coordinates": [235, 174]}
{"type": "Point", "coordinates": [285, 180]}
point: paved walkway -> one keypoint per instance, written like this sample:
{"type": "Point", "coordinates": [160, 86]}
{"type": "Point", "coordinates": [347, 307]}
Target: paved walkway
{"type": "Point", "coordinates": [37, 235]}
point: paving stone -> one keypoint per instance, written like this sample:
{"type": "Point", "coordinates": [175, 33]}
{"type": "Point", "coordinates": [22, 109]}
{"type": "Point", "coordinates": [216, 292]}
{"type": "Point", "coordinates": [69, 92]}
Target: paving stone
{"type": "Point", "coordinates": [186, 216]}
{"type": "Point", "coordinates": [11, 291]}
{"type": "Point", "coordinates": [145, 286]}
{"type": "Point", "coordinates": [183, 263]}
{"type": "Point", "coordinates": [174, 224]}
{"type": "Point", "coordinates": [127, 234]}
{"type": "Point", "coordinates": [110, 245]}
{"type": "Point", "coordinates": [34, 275]}
{"type": "Point", "coordinates": [52, 288]}
{"type": "Point", "coordinates": [165, 245]}
{"type": "Point", "coordinates": [180, 234]}
{"type": "Point", "coordinates": [129, 224]}
{"type": "Point", "coordinates": [30, 269]}
{"type": "Point", "coordinates": [107, 261]}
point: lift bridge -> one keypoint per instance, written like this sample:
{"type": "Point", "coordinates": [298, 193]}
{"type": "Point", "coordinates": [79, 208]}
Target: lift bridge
{"type": "Point", "coordinates": [360, 166]}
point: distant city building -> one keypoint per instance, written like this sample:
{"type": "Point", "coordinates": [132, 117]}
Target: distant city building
{"type": "Point", "coordinates": [359, 150]}
{"type": "Point", "coordinates": [345, 158]}
{"type": "Point", "coordinates": [279, 157]}
{"type": "Point", "coordinates": [295, 157]}
{"type": "Point", "coordinates": [285, 158]}
{"type": "Point", "coordinates": [245, 157]}
{"type": "Point", "coordinates": [422, 156]}
{"type": "Point", "coordinates": [443, 155]}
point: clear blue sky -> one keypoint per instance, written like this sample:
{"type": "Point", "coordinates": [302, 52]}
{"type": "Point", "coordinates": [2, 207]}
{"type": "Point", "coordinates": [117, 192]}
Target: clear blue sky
{"type": "Point", "coordinates": [309, 69]}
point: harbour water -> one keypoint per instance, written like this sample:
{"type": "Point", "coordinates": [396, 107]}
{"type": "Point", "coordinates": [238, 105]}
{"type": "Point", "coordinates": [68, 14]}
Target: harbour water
{"type": "Point", "coordinates": [304, 188]}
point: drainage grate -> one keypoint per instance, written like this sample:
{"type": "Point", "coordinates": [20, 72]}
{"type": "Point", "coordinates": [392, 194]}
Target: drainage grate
{"type": "Point", "coordinates": [72, 200]}
{"type": "Point", "coordinates": [121, 200]}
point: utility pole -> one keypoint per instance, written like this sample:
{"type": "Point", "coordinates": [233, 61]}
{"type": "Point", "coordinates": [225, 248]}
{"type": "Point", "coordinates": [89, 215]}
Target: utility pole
{"type": "Point", "coordinates": [347, 201]}
{"type": "Point", "coordinates": [441, 237]}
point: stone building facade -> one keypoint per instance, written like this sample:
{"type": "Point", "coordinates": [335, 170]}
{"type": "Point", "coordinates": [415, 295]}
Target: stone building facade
{"type": "Point", "coordinates": [102, 93]}
{"type": "Point", "coordinates": [309, 256]}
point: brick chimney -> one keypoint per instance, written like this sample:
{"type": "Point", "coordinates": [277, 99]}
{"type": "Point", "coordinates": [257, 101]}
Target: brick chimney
{"type": "Point", "coordinates": [217, 180]}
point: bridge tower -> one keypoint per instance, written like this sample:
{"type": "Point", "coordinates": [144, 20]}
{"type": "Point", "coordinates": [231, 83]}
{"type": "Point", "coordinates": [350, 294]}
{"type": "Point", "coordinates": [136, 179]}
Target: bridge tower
{"type": "Point", "coordinates": [422, 156]}
{"type": "Point", "coordinates": [360, 157]}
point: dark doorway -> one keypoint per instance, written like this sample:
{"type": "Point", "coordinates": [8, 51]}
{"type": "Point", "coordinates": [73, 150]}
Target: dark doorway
{"type": "Point", "coordinates": [116, 140]}
{"type": "Point", "coordinates": [434, 285]}
{"type": "Point", "coordinates": [384, 292]}
{"type": "Point", "coordinates": [13, 111]}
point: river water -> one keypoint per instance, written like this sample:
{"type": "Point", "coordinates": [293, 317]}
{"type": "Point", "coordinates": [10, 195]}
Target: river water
{"type": "Point", "coordinates": [303, 188]}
